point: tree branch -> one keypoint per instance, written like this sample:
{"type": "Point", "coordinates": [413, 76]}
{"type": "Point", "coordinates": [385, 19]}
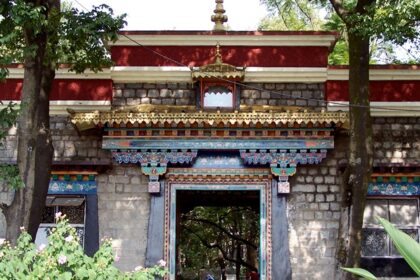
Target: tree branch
{"type": "Point", "coordinates": [224, 253]}
{"type": "Point", "coordinates": [238, 238]}
{"type": "Point", "coordinates": [304, 13]}
{"type": "Point", "coordinates": [339, 9]}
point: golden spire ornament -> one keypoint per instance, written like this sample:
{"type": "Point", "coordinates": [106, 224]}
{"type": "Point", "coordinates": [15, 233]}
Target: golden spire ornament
{"type": "Point", "coordinates": [219, 18]}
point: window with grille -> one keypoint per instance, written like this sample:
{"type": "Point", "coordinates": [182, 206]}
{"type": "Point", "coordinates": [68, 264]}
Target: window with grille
{"type": "Point", "coordinates": [404, 213]}
{"type": "Point", "coordinates": [73, 207]}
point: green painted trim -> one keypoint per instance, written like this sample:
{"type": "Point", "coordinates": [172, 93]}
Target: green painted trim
{"type": "Point", "coordinates": [218, 187]}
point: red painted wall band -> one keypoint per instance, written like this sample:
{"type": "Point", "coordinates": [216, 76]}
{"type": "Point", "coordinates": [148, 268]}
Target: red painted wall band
{"type": "Point", "coordinates": [299, 56]}
{"type": "Point", "coordinates": [391, 91]}
{"type": "Point", "coordinates": [69, 89]}
{"type": "Point", "coordinates": [63, 89]}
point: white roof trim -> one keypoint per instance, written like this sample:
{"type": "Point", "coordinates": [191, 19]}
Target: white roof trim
{"type": "Point", "coordinates": [285, 74]}
{"type": "Point", "coordinates": [377, 74]}
{"type": "Point", "coordinates": [224, 40]}
{"type": "Point", "coordinates": [60, 107]}
{"type": "Point", "coordinates": [122, 74]}
{"type": "Point", "coordinates": [382, 109]}
{"type": "Point", "coordinates": [132, 74]}
{"type": "Point", "coordinates": [137, 74]}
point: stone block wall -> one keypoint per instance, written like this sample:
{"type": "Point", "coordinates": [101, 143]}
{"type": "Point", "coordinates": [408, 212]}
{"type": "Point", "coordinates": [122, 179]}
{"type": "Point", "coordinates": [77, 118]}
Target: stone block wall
{"type": "Point", "coordinates": [275, 94]}
{"type": "Point", "coordinates": [314, 214]}
{"type": "Point", "coordinates": [156, 94]}
{"type": "Point", "coordinates": [396, 141]}
{"type": "Point", "coordinates": [284, 94]}
{"type": "Point", "coordinates": [69, 145]}
{"type": "Point", "coordinates": [123, 207]}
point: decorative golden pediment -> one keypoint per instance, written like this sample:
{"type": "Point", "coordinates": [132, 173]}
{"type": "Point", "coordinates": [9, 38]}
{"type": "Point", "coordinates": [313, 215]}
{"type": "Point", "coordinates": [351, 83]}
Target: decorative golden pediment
{"type": "Point", "coordinates": [218, 69]}
{"type": "Point", "coordinates": [173, 115]}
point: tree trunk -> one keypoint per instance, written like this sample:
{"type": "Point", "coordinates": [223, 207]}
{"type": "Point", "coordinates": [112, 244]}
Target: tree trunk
{"type": "Point", "coordinates": [238, 259]}
{"type": "Point", "coordinates": [35, 148]}
{"type": "Point", "coordinates": [358, 173]}
{"type": "Point", "coordinates": [222, 264]}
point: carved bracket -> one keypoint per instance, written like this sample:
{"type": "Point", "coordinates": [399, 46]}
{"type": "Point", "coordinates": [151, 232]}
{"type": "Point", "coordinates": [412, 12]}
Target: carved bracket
{"type": "Point", "coordinates": [283, 162]}
{"type": "Point", "coordinates": [154, 162]}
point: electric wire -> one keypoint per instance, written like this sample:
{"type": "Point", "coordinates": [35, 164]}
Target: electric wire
{"type": "Point", "coordinates": [248, 86]}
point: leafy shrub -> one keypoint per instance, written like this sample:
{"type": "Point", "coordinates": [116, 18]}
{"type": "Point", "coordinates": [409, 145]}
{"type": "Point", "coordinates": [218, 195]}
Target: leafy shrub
{"type": "Point", "coordinates": [63, 258]}
{"type": "Point", "coordinates": [406, 246]}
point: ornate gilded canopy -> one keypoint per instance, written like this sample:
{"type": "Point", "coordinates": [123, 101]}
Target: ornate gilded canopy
{"type": "Point", "coordinates": [172, 116]}
{"type": "Point", "coordinates": [154, 136]}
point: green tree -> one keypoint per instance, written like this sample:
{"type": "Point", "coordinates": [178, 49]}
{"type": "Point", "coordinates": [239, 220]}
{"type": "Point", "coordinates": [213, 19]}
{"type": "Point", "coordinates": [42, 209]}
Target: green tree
{"type": "Point", "coordinates": [41, 36]}
{"type": "Point", "coordinates": [393, 21]}
{"type": "Point", "coordinates": [319, 15]}
{"type": "Point", "coordinates": [396, 22]}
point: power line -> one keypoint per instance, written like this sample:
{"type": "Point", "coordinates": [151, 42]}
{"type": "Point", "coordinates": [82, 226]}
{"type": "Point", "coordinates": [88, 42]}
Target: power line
{"type": "Point", "coordinates": [326, 103]}
{"type": "Point", "coordinates": [270, 91]}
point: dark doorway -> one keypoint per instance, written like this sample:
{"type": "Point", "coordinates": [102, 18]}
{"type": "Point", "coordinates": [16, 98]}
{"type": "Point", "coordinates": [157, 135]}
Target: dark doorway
{"type": "Point", "coordinates": [218, 234]}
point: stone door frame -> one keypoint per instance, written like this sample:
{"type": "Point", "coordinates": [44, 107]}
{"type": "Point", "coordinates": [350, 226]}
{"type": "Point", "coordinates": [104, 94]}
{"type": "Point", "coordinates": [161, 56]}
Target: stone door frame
{"type": "Point", "coordinates": [263, 186]}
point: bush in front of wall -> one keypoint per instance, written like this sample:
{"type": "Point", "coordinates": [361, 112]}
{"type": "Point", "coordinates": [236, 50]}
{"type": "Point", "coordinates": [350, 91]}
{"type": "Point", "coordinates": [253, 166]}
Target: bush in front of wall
{"type": "Point", "coordinates": [63, 258]}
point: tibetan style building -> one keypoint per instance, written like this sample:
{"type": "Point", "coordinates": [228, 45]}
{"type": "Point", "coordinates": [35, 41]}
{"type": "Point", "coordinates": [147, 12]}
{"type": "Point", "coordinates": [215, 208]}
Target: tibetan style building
{"type": "Point", "coordinates": [223, 118]}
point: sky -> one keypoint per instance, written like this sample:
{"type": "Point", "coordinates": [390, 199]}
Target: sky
{"type": "Point", "coordinates": [182, 14]}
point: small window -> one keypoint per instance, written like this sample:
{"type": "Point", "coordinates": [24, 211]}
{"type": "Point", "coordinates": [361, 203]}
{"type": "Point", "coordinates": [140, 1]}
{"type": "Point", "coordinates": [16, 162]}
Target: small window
{"type": "Point", "coordinates": [404, 213]}
{"type": "Point", "coordinates": [72, 207]}
{"type": "Point", "coordinates": [218, 97]}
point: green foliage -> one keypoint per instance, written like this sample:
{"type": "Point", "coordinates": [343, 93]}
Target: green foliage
{"type": "Point", "coordinates": [75, 37]}
{"type": "Point", "coordinates": [8, 117]}
{"type": "Point", "coordinates": [9, 174]}
{"type": "Point", "coordinates": [389, 23]}
{"type": "Point", "coordinates": [360, 272]}
{"type": "Point", "coordinates": [63, 258]}
{"type": "Point", "coordinates": [405, 244]}
{"type": "Point", "coordinates": [14, 16]}
{"type": "Point", "coordinates": [84, 35]}
{"type": "Point", "coordinates": [291, 15]}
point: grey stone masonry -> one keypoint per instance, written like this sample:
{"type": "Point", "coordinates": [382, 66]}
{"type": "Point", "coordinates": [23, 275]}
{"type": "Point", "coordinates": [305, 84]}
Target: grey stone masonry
{"type": "Point", "coordinates": [69, 145]}
{"type": "Point", "coordinates": [314, 214]}
{"type": "Point", "coordinates": [284, 94]}
{"type": "Point", "coordinates": [396, 141]}
{"type": "Point", "coordinates": [276, 94]}
{"type": "Point", "coordinates": [157, 94]}
{"type": "Point", "coordinates": [123, 207]}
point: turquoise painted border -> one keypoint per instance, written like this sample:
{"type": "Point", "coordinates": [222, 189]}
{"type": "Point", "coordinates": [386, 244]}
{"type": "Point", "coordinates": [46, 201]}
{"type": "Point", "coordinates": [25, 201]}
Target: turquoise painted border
{"type": "Point", "coordinates": [394, 189]}
{"type": "Point", "coordinates": [109, 143]}
{"type": "Point", "coordinates": [72, 187]}
{"type": "Point", "coordinates": [218, 187]}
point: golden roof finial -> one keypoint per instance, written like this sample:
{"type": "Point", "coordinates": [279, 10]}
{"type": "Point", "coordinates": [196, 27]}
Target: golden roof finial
{"type": "Point", "coordinates": [219, 18]}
